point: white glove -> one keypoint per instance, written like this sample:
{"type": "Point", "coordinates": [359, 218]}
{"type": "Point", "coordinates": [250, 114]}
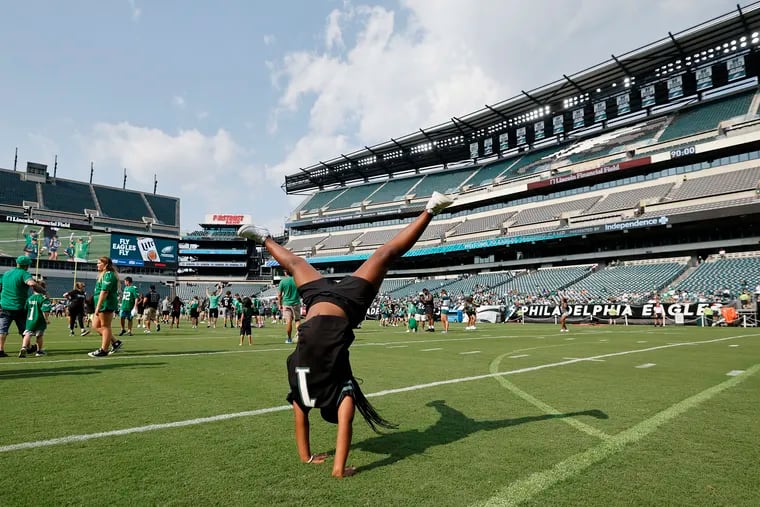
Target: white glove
{"type": "Point", "coordinates": [134, 312]}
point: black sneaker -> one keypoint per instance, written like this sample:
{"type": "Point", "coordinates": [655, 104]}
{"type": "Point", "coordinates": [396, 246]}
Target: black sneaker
{"type": "Point", "coordinates": [40, 353]}
{"type": "Point", "coordinates": [116, 347]}
{"type": "Point", "coordinates": [71, 333]}
{"type": "Point", "coordinates": [22, 352]}
{"type": "Point", "coordinates": [32, 348]}
{"type": "Point", "coordinates": [158, 327]}
{"type": "Point", "coordinates": [123, 332]}
{"type": "Point", "coordinates": [98, 353]}
{"type": "Point", "coordinates": [3, 354]}
{"type": "Point", "coordinates": [84, 332]}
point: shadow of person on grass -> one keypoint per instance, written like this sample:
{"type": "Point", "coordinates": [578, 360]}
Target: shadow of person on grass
{"type": "Point", "coordinates": [453, 425]}
{"type": "Point", "coordinates": [95, 367]}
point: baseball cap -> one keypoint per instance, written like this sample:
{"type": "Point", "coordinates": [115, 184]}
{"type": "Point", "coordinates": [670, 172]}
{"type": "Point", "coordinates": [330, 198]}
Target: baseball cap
{"type": "Point", "coordinates": [23, 260]}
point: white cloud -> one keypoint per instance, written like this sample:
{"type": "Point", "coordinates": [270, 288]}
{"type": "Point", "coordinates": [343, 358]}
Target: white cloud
{"type": "Point", "coordinates": [136, 11]}
{"type": "Point", "coordinates": [269, 39]}
{"type": "Point", "coordinates": [333, 34]}
{"type": "Point", "coordinates": [212, 173]}
{"type": "Point", "coordinates": [179, 102]}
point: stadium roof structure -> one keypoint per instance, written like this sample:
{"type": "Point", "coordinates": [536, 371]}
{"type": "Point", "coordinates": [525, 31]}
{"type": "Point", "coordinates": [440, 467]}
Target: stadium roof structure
{"type": "Point", "coordinates": [708, 45]}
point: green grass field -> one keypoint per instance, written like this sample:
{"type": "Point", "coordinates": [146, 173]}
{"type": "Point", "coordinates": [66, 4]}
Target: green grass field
{"type": "Point", "coordinates": [504, 415]}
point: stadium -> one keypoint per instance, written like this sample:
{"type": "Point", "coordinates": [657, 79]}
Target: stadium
{"type": "Point", "coordinates": [631, 183]}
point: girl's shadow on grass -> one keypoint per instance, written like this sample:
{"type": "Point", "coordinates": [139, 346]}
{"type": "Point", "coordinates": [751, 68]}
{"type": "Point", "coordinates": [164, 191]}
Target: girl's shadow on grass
{"type": "Point", "coordinates": [453, 425]}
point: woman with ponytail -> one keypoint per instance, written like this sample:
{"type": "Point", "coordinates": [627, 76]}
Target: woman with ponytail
{"type": "Point", "coordinates": [319, 371]}
{"type": "Point", "coordinates": [106, 302]}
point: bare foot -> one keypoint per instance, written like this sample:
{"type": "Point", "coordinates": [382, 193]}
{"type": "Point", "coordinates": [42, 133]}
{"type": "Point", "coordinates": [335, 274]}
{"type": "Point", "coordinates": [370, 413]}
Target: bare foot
{"type": "Point", "coordinates": [347, 472]}
{"type": "Point", "coordinates": [317, 459]}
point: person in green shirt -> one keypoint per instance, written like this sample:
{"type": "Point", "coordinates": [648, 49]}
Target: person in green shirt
{"type": "Point", "coordinates": [194, 312]}
{"type": "Point", "coordinates": [128, 306]}
{"type": "Point", "coordinates": [106, 302]}
{"type": "Point", "coordinates": [290, 304]}
{"type": "Point", "coordinates": [37, 318]}
{"type": "Point", "coordinates": [82, 249]}
{"type": "Point", "coordinates": [14, 290]}
{"type": "Point", "coordinates": [213, 307]}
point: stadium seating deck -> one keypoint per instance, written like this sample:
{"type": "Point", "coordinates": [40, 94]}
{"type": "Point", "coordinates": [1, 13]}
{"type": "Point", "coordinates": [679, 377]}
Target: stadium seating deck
{"type": "Point", "coordinates": [69, 196]}
{"type": "Point", "coordinates": [665, 210]}
{"type": "Point", "coordinates": [482, 224]}
{"type": "Point", "coordinates": [165, 208]}
{"type": "Point", "coordinates": [299, 244]}
{"type": "Point", "coordinates": [703, 117]}
{"type": "Point", "coordinates": [546, 280]}
{"type": "Point", "coordinates": [627, 199]}
{"type": "Point", "coordinates": [321, 199]}
{"type": "Point", "coordinates": [14, 191]}
{"type": "Point", "coordinates": [633, 279]}
{"type": "Point", "coordinates": [444, 182]}
{"type": "Point", "coordinates": [482, 282]}
{"type": "Point", "coordinates": [353, 196]}
{"type": "Point", "coordinates": [724, 183]}
{"type": "Point", "coordinates": [393, 284]}
{"type": "Point", "coordinates": [340, 240]}
{"type": "Point", "coordinates": [121, 204]}
{"type": "Point", "coordinates": [538, 214]}
{"type": "Point", "coordinates": [488, 173]}
{"type": "Point", "coordinates": [394, 190]}
{"type": "Point", "coordinates": [716, 274]}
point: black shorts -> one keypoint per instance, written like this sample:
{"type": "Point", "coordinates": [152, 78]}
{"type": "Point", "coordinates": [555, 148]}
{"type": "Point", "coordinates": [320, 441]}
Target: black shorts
{"type": "Point", "coordinates": [245, 328]}
{"type": "Point", "coordinates": [321, 356]}
{"type": "Point", "coordinates": [352, 294]}
{"type": "Point", "coordinates": [175, 314]}
{"type": "Point", "coordinates": [194, 313]}
{"type": "Point", "coordinates": [213, 312]}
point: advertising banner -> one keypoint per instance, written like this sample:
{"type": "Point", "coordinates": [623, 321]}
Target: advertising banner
{"type": "Point", "coordinates": [600, 111]}
{"type": "Point", "coordinates": [689, 311]}
{"type": "Point", "coordinates": [578, 118]}
{"type": "Point", "coordinates": [487, 146]}
{"type": "Point", "coordinates": [538, 130]}
{"type": "Point", "coordinates": [675, 87]}
{"type": "Point", "coordinates": [647, 96]}
{"type": "Point", "coordinates": [623, 104]}
{"type": "Point", "coordinates": [222, 219]}
{"type": "Point", "coordinates": [129, 250]}
{"type": "Point", "coordinates": [704, 78]}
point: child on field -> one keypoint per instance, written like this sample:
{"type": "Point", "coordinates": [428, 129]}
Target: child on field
{"type": "Point", "coordinates": [245, 317]}
{"type": "Point", "coordinates": [37, 319]}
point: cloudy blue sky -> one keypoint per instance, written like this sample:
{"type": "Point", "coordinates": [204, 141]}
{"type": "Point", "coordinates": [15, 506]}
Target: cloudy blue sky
{"type": "Point", "coordinates": [222, 99]}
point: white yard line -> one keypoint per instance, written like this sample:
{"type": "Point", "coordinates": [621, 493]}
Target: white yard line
{"type": "Point", "coordinates": [527, 488]}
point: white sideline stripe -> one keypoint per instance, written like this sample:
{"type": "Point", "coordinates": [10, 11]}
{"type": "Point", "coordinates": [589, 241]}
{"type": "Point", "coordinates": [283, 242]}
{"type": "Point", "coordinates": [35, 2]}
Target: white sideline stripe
{"type": "Point", "coordinates": [470, 352]}
{"type": "Point", "coordinates": [527, 488]}
{"type": "Point", "coordinates": [582, 359]}
{"type": "Point", "coordinates": [734, 373]}
{"type": "Point", "coordinates": [519, 356]}
{"type": "Point", "coordinates": [646, 365]}
{"type": "Point", "coordinates": [396, 346]}
{"type": "Point", "coordinates": [223, 417]}
{"type": "Point", "coordinates": [139, 429]}
{"type": "Point", "coordinates": [734, 345]}
{"type": "Point", "coordinates": [430, 350]}
{"type": "Point", "coordinates": [641, 341]}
